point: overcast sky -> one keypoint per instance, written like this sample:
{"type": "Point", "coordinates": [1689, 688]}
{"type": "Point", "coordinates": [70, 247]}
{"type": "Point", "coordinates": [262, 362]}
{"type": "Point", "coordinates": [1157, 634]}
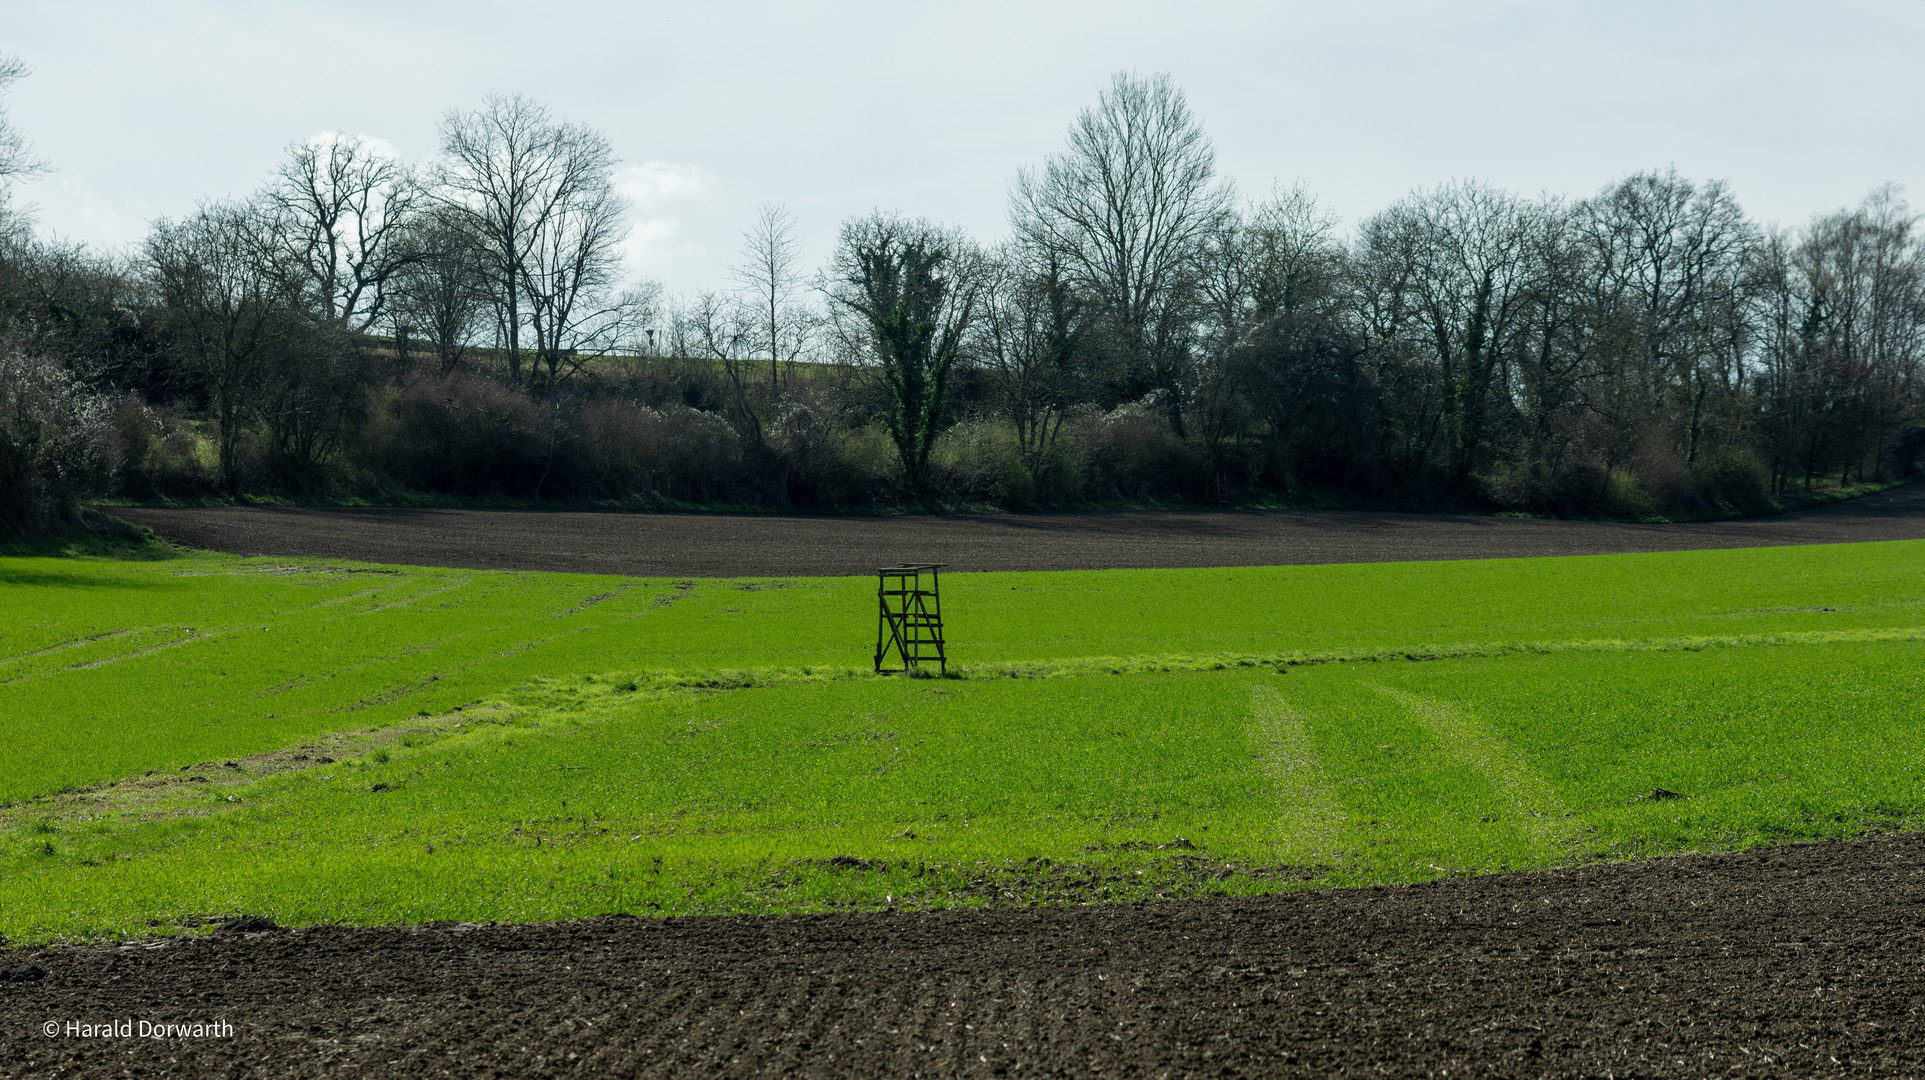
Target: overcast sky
{"type": "Point", "coordinates": [838, 108]}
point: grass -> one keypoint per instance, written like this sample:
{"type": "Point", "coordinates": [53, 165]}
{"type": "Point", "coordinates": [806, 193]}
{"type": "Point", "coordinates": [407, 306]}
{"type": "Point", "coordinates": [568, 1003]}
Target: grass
{"type": "Point", "coordinates": [186, 739]}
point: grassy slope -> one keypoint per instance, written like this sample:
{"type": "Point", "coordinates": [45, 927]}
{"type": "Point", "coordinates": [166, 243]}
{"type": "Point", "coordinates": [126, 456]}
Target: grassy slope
{"type": "Point", "coordinates": [578, 794]}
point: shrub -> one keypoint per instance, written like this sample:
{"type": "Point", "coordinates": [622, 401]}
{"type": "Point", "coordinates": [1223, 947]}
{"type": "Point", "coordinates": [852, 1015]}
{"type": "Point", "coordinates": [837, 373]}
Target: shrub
{"type": "Point", "coordinates": [159, 453]}
{"type": "Point", "coordinates": [1625, 496]}
{"type": "Point", "coordinates": [56, 445]}
{"type": "Point", "coordinates": [859, 468]}
{"type": "Point", "coordinates": [629, 449]}
{"type": "Point", "coordinates": [821, 459]}
{"type": "Point", "coordinates": [1732, 476]}
{"type": "Point", "coordinates": [1910, 448]}
{"type": "Point", "coordinates": [977, 461]}
{"type": "Point", "coordinates": [1131, 453]}
{"type": "Point", "coordinates": [463, 434]}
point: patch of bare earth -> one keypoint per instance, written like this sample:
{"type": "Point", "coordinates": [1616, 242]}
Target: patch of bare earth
{"type": "Point", "coordinates": [198, 789]}
{"type": "Point", "coordinates": [1804, 960]}
{"type": "Point", "coordinates": [721, 545]}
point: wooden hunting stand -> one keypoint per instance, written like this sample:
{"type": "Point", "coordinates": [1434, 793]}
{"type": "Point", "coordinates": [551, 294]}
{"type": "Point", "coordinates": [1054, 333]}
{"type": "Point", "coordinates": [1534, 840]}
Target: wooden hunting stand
{"type": "Point", "coordinates": [1220, 491]}
{"type": "Point", "coordinates": [909, 622]}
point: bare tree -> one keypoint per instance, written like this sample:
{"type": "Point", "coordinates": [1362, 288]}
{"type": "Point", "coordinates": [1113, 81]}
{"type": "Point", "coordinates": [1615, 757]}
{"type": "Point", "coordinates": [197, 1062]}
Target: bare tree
{"type": "Point", "coordinates": [345, 209]}
{"type": "Point", "coordinates": [312, 399]}
{"type": "Point", "coordinates": [440, 289]}
{"type": "Point", "coordinates": [1842, 308]}
{"type": "Point", "coordinates": [1271, 284]}
{"type": "Point", "coordinates": [526, 184]}
{"type": "Point", "coordinates": [1555, 360]}
{"type": "Point", "coordinates": [1670, 258]}
{"type": "Point", "coordinates": [1034, 328]}
{"type": "Point", "coordinates": [1458, 258]}
{"type": "Point", "coordinates": [16, 159]}
{"type": "Point", "coordinates": [1127, 210]}
{"type": "Point", "coordinates": [915, 289]}
{"type": "Point", "coordinates": [1277, 255]}
{"type": "Point", "coordinates": [216, 277]}
{"type": "Point", "coordinates": [576, 308]}
{"type": "Point", "coordinates": [722, 328]}
{"type": "Point", "coordinates": [1874, 264]}
{"type": "Point", "coordinates": [768, 274]}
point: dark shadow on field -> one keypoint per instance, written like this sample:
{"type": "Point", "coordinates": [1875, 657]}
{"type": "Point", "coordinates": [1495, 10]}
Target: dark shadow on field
{"type": "Point", "coordinates": [54, 579]}
{"type": "Point", "coordinates": [96, 535]}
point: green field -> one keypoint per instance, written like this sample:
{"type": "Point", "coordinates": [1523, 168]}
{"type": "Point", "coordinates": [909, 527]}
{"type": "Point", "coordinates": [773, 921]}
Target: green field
{"type": "Point", "coordinates": [188, 738]}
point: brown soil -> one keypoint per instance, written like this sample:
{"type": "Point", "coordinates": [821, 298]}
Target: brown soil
{"type": "Point", "coordinates": [717, 545]}
{"type": "Point", "coordinates": [1801, 960]}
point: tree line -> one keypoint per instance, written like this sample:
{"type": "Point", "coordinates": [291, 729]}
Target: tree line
{"type": "Point", "coordinates": [361, 326]}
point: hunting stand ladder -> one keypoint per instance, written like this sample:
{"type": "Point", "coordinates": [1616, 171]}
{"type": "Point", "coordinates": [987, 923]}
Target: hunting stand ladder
{"type": "Point", "coordinates": [909, 622]}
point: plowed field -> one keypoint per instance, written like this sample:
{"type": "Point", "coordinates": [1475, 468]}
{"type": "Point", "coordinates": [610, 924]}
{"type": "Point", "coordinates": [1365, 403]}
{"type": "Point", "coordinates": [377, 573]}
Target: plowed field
{"type": "Point", "coordinates": [1807, 960]}
{"type": "Point", "coordinates": [712, 545]}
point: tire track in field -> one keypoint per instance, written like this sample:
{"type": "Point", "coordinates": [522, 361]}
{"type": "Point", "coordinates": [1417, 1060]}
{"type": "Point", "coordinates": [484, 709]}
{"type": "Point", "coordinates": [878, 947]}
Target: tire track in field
{"type": "Point", "coordinates": [188, 636]}
{"type": "Point", "coordinates": [1425, 653]}
{"type": "Point", "coordinates": [194, 636]}
{"type": "Point", "coordinates": [384, 594]}
{"type": "Point", "coordinates": [1537, 813]}
{"type": "Point", "coordinates": [1310, 819]}
{"type": "Point", "coordinates": [396, 691]}
{"type": "Point", "coordinates": [65, 646]}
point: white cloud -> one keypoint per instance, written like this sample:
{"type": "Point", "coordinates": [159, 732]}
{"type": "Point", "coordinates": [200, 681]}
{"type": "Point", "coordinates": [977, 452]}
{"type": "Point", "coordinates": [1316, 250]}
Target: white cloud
{"type": "Point", "coordinates": [72, 209]}
{"type": "Point", "coordinates": [662, 195]}
{"type": "Point", "coordinates": [654, 186]}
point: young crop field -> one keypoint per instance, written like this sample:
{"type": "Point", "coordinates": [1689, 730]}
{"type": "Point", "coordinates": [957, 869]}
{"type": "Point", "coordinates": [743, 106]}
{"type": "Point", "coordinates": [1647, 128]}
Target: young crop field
{"type": "Point", "coordinates": [186, 739]}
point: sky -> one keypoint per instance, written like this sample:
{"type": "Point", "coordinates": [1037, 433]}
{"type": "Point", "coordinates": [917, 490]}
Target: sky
{"type": "Point", "coordinates": [835, 109]}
